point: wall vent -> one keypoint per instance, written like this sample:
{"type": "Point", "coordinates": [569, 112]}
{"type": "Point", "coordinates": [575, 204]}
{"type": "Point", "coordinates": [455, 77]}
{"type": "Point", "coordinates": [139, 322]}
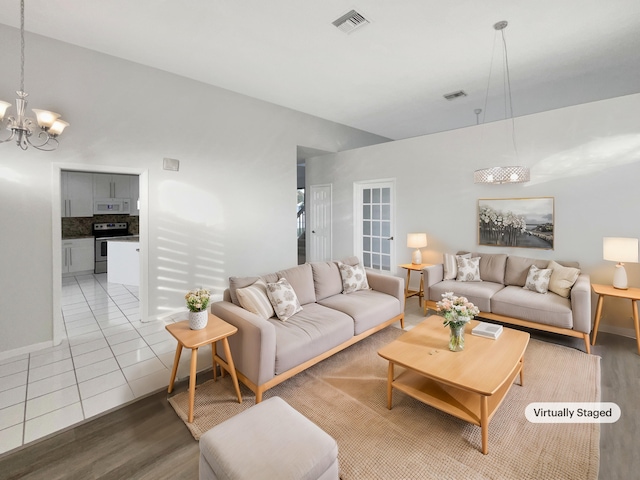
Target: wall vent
{"type": "Point", "coordinates": [350, 21]}
{"type": "Point", "coordinates": [454, 95]}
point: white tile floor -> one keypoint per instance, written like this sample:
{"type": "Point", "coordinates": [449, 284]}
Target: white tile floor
{"type": "Point", "coordinates": [109, 358]}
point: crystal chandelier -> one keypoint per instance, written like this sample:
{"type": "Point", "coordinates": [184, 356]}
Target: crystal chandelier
{"type": "Point", "coordinates": [511, 174]}
{"type": "Point", "coordinates": [41, 133]}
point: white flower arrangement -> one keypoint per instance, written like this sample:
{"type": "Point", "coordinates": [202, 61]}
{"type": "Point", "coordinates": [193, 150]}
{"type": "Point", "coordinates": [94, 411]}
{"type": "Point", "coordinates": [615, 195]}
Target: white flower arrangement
{"type": "Point", "coordinates": [197, 300]}
{"type": "Point", "coordinates": [456, 310]}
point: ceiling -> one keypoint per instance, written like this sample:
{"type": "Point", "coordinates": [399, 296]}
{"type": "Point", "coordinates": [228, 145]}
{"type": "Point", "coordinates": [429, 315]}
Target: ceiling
{"type": "Point", "coordinates": [388, 77]}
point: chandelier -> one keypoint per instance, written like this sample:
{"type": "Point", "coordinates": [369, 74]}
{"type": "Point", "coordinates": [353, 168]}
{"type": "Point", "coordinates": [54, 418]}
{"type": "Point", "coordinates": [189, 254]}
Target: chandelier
{"type": "Point", "coordinates": [511, 174]}
{"type": "Point", "coordinates": [41, 133]}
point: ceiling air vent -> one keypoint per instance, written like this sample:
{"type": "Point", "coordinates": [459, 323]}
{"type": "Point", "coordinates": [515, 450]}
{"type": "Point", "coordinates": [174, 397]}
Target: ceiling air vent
{"type": "Point", "coordinates": [350, 21]}
{"type": "Point", "coordinates": [454, 95]}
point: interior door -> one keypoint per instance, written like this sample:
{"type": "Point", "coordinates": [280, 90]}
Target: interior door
{"type": "Point", "coordinates": [374, 204]}
{"type": "Point", "coordinates": [319, 229]}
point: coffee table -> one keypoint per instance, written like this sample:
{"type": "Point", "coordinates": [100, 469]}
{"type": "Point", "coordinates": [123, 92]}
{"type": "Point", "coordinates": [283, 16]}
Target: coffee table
{"type": "Point", "coordinates": [470, 384]}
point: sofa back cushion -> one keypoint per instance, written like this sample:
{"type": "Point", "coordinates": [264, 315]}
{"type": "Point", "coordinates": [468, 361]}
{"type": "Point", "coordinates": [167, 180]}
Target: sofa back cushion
{"type": "Point", "coordinates": [326, 279]}
{"type": "Point", "coordinates": [239, 282]}
{"type": "Point", "coordinates": [301, 279]}
{"type": "Point", "coordinates": [518, 269]}
{"type": "Point", "coordinates": [492, 266]}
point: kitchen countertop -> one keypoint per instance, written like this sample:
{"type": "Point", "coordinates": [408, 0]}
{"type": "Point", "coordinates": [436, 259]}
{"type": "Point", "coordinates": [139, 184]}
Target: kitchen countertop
{"type": "Point", "coordinates": [134, 238]}
{"type": "Point", "coordinates": [76, 237]}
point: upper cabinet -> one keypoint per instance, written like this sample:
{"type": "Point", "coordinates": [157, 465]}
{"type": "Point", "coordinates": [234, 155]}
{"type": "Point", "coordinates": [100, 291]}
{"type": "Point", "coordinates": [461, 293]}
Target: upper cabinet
{"type": "Point", "coordinates": [77, 194]}
{"type": "Point", "coordinates": [107, 185]}
{"type": "Point", "coordinates": [134, 185]}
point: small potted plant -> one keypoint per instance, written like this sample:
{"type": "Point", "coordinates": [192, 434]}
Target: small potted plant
{"type": "Point", "coordinates": [457, 312]}
{"type": "Point", "coordinates": [197, 303]}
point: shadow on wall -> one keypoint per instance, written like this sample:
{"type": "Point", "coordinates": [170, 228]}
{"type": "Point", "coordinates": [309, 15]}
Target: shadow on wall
{"type": "Point", "coordinates": [189, 252]}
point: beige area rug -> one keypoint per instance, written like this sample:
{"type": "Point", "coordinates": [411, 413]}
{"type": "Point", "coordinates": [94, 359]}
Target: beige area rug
{"type": "Point", "coordinates": [346, 396]}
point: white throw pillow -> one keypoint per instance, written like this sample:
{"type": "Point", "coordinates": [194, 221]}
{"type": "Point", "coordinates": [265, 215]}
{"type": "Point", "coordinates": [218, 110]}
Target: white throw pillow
{"type": "Point", "coordinates": [354, 278]}
{"type": "Point", "coordinates": [468, 269]}
{"type": "Point", "coordinates": [562, 279]}
{"type": "Point", "coordinates": [254, 299]}
{"type": "Point", "coordinates": [284, 299]}
{"type": "Point", "coordinates": [538, 279]}
{"type": "Point", "coordinates": [450, 264]}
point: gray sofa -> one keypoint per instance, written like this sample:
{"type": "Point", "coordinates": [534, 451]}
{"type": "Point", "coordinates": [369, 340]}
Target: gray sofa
{"type": "Point", "coordinates": [267, 351]}
{"type": "Point", "coordinates": [500, 295]}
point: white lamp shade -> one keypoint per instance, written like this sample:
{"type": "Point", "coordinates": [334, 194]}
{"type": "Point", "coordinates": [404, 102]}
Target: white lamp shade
{"type": "Point", "coordinates": [416, 240]}
{"type": "Point", "coordinates": [618, 249]}
{"type": "Point", "coordinates": [3, 108]}
{"type": "Point", "coordinates": [58, 127]}
{"type": "Point", "coordinates": [45, 118]}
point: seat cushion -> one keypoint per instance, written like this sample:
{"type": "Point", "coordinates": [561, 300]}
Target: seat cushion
{"type": "Point", "coordinates": [366, 308]}
{"type": "Point", "coordinates": [308, 333]}
{"type": "Point", "coordinates": [478, 293]}
{"type": "Point", "coordinates": [548, 309]}
{"type": "Point", "coordinates": [267, 441]}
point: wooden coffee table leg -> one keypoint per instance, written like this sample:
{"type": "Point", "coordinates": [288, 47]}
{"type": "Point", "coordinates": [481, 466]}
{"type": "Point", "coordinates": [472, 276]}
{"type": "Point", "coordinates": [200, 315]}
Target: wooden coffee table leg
{"type": "Point", "coordinates": [521, 371]}
{"type": "Point", "coordinates": [192, 382]}
{"type": "Point", "coordinates": [390, 386]}
{"type": "Point", "coordinates": [484, 423]}
{"type": "Point", "coordinates": [174, 371]}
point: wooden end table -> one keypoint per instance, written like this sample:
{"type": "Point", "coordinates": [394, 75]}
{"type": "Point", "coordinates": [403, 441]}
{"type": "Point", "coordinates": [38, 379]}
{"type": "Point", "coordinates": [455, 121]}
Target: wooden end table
{"type": "Point", "coordinates": [216, 329]}
{"type": "Point", "coordinates": [632, 294]}
{"type": "Point", "coordinates": [470, 384]}
{"type": "Point", "coordinates": [413, 267]}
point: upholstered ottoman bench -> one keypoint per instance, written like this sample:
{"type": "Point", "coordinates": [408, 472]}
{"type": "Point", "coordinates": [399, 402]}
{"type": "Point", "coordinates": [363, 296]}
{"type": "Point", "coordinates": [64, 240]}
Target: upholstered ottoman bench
{"type": "Point", "coordinates": [270, 440]}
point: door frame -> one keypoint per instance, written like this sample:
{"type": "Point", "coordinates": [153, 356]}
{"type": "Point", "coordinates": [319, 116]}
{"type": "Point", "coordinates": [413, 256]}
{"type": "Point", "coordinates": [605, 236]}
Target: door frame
{"type": "Point", "coordinates": [56, 233]}
{"type": "Point", "coordinates": [311, 218]}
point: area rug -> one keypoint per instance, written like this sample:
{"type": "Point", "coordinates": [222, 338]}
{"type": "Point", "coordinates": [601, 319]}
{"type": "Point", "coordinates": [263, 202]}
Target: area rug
{"type": "Point", "coordinates": [346, 396]}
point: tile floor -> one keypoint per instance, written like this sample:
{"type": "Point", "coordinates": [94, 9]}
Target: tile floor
{"type": "Point", "coordinates": [109, 358]}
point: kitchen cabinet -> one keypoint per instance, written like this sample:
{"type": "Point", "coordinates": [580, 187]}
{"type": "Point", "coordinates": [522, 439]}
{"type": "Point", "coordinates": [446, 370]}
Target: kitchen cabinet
{"type": "Point", "coordinates": [111, 185]}
{"type": "Point", "coordinates": [134, 184]}
{"type": "Point", "coordinates": [76, 194]}
{"type": "Point", "coordinates": [78, 255]}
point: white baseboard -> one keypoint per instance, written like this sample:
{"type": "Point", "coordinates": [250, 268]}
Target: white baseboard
{"type": "Point", "coordinates": [24, 350]}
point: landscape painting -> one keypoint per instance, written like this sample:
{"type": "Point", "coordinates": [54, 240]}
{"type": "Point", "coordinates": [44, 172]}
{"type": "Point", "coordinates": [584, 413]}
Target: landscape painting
{"type": "Point", "coordinates": [516, 222]}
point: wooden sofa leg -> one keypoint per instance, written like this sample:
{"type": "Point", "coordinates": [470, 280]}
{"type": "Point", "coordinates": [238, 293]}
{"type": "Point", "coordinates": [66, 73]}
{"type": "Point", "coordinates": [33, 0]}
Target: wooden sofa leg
{"type": "Point", "coordinates": [587, 343]}
{"type": "Point", "coordinates": [258, 395]}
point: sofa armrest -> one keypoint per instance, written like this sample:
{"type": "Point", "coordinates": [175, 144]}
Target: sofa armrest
{"type": "Point", "coordinates": [254, 345]}
{"type": "Point", "coordinates": [432, 274]}
{"type": "Point", "coordinates": [388, 284]}
{"type": "Point", "coordinates": [581, 304]}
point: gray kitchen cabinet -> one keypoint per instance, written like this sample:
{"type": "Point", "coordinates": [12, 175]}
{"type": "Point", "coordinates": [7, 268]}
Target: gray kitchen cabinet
{"type": "Point", "coordinates": [76, 194]}
{"type": "Point", "coordinates": [111, 185]}
{"type": "Point", "coordinates": [78, 255]}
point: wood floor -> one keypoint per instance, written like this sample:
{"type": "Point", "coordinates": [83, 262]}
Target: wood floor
{"type": "Point", "coordinates": [146, 439]}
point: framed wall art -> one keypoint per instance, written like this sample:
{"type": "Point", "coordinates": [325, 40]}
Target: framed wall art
{"type": "Point", "coordinates": [516, 222]}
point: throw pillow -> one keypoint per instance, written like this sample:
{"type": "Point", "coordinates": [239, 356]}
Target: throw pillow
{"type": "Point", "coordinates": [283, 298]}
{"type": "Point", "coordinates": [538, 279]}
{"type": "Point", "coordinates": [254, 299]}
{"type": "Point", "coordinates": [562, 279]}
{"type": "Point", "coordinates": [451, 266]}
{"type": "Point", "coordinates": [468, 269]}
{"type": "Point", "coordinates": [354, 278]}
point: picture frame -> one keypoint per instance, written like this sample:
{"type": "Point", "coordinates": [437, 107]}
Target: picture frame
{"type": "Point", "coordinates": [516, 222]}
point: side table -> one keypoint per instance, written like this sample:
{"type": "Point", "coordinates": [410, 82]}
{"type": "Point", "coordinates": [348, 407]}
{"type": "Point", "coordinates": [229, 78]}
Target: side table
{"type": "Point", "coordinates": [216, 329]}
{"type": "Point", "coordinates": [632, 294]}
{"type": "Point", "coordinates": [412, 267]}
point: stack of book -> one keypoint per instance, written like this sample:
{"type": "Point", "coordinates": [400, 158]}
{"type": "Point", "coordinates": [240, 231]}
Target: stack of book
{"type": "Point", "coordinates": [488, 330]}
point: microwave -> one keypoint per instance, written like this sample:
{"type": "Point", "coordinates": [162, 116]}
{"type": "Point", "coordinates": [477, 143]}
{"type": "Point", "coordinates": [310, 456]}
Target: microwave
{"type": "Point", "coordinates": [104, 206]}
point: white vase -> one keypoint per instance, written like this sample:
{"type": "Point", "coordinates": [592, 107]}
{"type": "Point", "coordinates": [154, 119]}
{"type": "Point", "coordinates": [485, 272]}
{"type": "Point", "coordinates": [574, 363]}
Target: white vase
{"type": "Point", "coordinates": [198, 320]}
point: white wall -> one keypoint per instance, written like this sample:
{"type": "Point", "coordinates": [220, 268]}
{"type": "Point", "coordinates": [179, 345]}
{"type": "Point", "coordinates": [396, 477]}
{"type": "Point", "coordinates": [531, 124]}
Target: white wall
{"type": "Point", "coordinates": [587, 157]}
{"type": "Point", "coordinates": [230, 210]}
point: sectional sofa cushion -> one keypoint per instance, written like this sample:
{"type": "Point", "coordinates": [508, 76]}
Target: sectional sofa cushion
{"type": "Point", "coordinates": [312, 331]}
{"type": "Point", "coordinates": [239, 282]}
{"type": "Point", "coordinates": [255, 299]}
{"type": "Point", "coordinates": [492, 266]}
{"type": "Point", "coordinates": [478, 293]}
{"type": "Point", "coordinates": [367, 308]}
{"type": "Point", "coordinates": [301, 279]}
{"type": "Point", "coordinates": [517, 302]}
{"type": "Point", "coordinates": [518, 269]}
{"type": "Point", "coordinates": [562, 279]}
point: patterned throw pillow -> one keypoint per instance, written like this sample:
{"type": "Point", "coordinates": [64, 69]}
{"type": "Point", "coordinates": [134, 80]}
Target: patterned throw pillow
{"type": "Point", "coordinates": [254, 299]}
{"type": "Point", "coordinates": [468, 269]}
{"type": "Point", "coordinates": [284, 299]}
{"type": "Point", "coordinates": [354, 278]}
{"type": "Point", "coordinates": [538, 279]}
{"type": "Point", "coordinates": [450, 264]}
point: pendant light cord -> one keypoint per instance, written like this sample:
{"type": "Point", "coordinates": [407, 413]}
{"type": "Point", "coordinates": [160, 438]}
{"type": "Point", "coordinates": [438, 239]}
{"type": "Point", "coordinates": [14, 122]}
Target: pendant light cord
{"type": "Point", "coordinates": [506, 63]}
{"type": "Point", "coordinates": [22, 46]}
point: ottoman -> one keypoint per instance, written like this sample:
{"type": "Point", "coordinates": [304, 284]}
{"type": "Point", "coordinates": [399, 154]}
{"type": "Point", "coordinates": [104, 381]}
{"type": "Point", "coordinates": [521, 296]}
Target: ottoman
{"type": "Point", "coordinates": [271, 440]}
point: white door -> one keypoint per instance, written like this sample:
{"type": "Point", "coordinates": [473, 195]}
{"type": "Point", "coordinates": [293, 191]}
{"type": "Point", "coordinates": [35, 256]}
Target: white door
{"type": "Point", "coordinates": [319, 228]}
{"type": "Point", "coordinates": [374, 207]}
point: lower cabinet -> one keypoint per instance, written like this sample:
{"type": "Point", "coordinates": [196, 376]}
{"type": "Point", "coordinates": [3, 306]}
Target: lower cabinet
{"type": "Point", "coordinates": [78, 255]}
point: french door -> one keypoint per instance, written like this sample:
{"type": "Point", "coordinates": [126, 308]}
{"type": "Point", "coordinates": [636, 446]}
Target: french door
{"type": "Point", "coordinates": [374, 213]}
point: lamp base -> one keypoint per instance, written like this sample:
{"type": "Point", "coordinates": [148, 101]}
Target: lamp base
{"type": "Point", "coordinates": [416, 257]}
{"type": "Point", "coordinates": [620, 277]}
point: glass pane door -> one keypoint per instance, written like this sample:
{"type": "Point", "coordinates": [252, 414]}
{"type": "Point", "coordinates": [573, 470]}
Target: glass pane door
{"type": "Point", "coordinates": [375, 225]}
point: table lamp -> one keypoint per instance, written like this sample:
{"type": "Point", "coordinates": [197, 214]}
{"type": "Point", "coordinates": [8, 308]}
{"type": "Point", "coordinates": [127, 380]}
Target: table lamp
{"type": "Point", "coordinates": [620, 250]}
{"type": "Point", "coordinates": [417, 241]}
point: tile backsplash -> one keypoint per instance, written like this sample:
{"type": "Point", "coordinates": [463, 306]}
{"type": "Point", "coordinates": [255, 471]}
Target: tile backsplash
{"type": "Point", "coordinates": [74, 227]}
